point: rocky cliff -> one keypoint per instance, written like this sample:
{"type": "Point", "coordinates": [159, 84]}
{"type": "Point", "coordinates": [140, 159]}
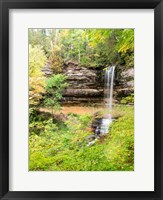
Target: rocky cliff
{"type": "Point", "coordinates": [124, 83]}
{"type": "Point", "coordinates": [86, 85]}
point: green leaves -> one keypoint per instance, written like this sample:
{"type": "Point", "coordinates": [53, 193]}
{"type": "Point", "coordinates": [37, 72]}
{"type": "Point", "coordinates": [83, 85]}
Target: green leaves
{"type": "Point", "coordinates": [128, 99]}
{"type": "Point", "coordinates": [64, 148]}
{"type": "Point", "coordinates": [54, 88]}
{"type": "Point", "coordinates": [57, 81]}
{"type": "Point", "coordinates": [87, 47]}
{"type": "Point", "coordinates": [126, 41]}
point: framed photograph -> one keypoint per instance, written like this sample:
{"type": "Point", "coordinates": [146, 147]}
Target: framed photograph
{"type": "Point", "coordinates": [80, 99]}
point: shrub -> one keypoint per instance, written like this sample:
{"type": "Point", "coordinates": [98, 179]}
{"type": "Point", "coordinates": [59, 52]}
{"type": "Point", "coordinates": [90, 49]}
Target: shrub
{"type": "Point", "coordinates": [128, 99]}
{"type": "Point", "coordinates": [54, 88]}
{"type": "Point", "coordinates": [64, 148]}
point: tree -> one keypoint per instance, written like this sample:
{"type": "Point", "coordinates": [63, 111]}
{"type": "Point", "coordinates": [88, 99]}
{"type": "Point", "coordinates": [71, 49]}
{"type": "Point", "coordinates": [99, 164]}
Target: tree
{"type": "Point", "coordinates": [87, 47]}
{"type": "Point", "coordinates": [54, 88]}
{"type": "Point", "coordinates": [37, 60]}
{"type": "Point", "coordinates": [55, 60]}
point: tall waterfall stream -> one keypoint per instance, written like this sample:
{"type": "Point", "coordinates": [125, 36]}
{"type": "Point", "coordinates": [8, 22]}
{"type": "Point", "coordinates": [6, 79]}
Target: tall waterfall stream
{"type": "Point", "coordinates": [105, 123]}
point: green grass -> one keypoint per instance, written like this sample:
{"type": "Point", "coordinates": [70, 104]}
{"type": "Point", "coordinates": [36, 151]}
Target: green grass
{"type": "Point", "coordinates": [63, 147]}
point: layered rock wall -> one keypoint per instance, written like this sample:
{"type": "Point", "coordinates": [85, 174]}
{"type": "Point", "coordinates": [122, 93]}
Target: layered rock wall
{"type": "Point", "coordinates": [124, 83]}
{"type": "Point", "coordinates": [86, 85]}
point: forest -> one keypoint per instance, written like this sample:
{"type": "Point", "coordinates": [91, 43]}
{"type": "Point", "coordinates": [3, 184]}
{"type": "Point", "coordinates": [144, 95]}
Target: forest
{"type": "Point", "coordinates": [81, 99]}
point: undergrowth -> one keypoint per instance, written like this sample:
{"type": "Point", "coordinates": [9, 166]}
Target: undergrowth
{"type": "Point", "coordinates": [61, 145]}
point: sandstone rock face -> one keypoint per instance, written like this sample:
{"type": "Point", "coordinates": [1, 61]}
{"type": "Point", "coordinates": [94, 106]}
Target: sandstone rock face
{"type": "Point", "coordinates": [124, 83]}
{"type": "Point", "coordinates": [85, 85]}
{"type": "Point", "coordinates": [83, 92]}
{"type": "Point", "coordinates": [128, 74]}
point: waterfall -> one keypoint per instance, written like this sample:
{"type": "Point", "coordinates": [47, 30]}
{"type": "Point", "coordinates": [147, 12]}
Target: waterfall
{"type": "Point", "coordinates": [105, 122]}
{"type": "Point", "coordinates": [108, 87]}
{"type": "Point", "coordinates": [108, 97]}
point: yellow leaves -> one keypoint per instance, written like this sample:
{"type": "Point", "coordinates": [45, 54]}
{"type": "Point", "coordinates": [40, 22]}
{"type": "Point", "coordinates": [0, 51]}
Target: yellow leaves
{"type": "Point", "coordinates": [37, 60]}
{"type": "Point", "coordinates": [126, 41]}
{"type": "Point", "coordinates": [96, 55]}
{"type": "Point", "coordinates": [56, 60]}
{"type": "Point", "coordinates": [36, 89]}
{"type": "Point", "coordinates": [123, 49]}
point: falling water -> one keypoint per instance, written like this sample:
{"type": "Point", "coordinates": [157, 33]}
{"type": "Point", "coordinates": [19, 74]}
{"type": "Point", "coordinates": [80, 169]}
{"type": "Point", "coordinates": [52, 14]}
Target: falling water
{"type": "Point", "coordinates": [108, 96]}
{"type": "Point", "coordinates": [105, 122]}
{"type": "Point", "coordinates": [108, 87]}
